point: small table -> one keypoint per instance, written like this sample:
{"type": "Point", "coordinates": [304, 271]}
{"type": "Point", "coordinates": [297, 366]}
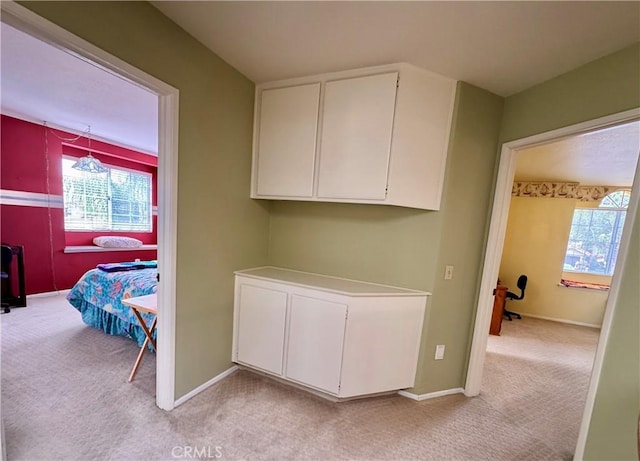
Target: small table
{"type": "Point", "coordinates": [148, 304]}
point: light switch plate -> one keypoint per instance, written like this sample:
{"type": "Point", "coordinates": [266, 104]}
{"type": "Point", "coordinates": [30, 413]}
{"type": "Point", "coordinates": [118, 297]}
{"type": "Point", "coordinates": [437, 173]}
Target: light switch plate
{"type": "Point", "coordinates": [448, 272]}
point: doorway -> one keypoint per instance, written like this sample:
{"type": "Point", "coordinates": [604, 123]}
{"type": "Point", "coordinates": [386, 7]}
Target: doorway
{"type": "Point", "coordinates": [495, 246]}
{"type": "Point", "coordinates": [24, 20]}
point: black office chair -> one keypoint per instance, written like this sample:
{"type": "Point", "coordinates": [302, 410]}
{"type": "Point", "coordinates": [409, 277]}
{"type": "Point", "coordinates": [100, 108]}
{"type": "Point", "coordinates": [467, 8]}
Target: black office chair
{"type": "Point", "coordinates": [8, 299]}
{"type": "Point", "coordinates": [522, 284]}
{"type": "Point", "coordinates": [5, 275]}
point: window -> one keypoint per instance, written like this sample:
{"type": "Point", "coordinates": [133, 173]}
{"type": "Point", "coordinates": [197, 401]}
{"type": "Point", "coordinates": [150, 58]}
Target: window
{"type": "Point", "coordinates": [595, 234]}
{"type": "Point", "coordinates": [117, 200]}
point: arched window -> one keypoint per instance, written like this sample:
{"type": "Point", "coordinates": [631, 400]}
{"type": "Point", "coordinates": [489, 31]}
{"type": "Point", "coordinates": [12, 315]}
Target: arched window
{"type": "Point", "coordinates": [595, 234]}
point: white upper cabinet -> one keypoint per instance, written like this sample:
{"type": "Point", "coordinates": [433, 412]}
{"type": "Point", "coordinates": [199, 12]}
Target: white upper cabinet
{"type": "Point", "coordinates": [356, 137]}
{"type": "Point", "coordinates": [376, 135]}
{"type": "Point", "coordinates": [287, 141]}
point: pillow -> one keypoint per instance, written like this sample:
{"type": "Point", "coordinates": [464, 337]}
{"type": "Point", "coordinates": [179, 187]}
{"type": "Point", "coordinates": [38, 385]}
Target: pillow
{"type": "Point", "coordinates": [117, 242]}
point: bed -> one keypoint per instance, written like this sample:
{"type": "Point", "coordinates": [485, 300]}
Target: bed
{"type": "Point", "coordinates": [98, 295]}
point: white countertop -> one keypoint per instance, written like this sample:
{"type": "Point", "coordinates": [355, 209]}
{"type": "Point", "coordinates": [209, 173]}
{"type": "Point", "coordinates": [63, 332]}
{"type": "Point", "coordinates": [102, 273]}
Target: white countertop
{"type": "Point", "coordinates": [327, 283]}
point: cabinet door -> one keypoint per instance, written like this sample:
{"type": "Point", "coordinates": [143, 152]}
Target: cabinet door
{"type": "Point", "coordinates": [286, 147]}
{"type": "Point", "coordinates": [316, 338]}
{"type": "Point", "coordinates": [356, 137]}
{"type": "Point", "coordinates": [261, 324]}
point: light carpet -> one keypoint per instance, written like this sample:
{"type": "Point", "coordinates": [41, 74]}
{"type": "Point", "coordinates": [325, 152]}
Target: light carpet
{"type": "Point", "coordinates": [65, 396]}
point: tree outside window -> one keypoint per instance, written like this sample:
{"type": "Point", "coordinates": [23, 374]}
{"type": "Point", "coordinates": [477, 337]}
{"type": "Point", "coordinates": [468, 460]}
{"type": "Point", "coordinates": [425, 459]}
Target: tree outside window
{"type": "Point", "coordinates": [594, 239]}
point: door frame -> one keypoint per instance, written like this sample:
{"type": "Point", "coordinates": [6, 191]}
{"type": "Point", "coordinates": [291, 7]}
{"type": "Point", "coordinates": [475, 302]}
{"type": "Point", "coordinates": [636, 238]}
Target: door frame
{"type": "Point", "coordinates": [29, 22]}
{"type": "Point", "coordinates": [495, 244]}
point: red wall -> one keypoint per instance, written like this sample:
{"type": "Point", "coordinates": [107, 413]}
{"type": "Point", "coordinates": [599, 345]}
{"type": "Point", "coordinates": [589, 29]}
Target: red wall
{"type": "Point", "coordinates": [23, 167]}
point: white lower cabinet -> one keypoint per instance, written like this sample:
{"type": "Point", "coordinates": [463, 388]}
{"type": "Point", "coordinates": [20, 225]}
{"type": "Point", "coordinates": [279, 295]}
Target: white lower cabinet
{"type": "Point", "coordinates": [262, 314]}
{"type": "Point", "coordinates": [342, 337]}
{"type": "Point", "coordinates": [316, 340]}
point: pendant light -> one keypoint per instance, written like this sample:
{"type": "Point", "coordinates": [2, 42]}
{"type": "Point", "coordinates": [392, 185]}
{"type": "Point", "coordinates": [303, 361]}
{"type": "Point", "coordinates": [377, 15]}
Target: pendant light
{"type": "Point", "coordinates": [89, 163]}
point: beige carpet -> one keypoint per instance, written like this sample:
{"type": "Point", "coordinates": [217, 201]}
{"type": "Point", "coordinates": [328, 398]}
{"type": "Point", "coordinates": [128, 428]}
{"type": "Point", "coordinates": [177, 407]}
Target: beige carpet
{"type": "Point", "coordinates": [537, 373]}
{"type": "Point", "coordinates": [65, 396]}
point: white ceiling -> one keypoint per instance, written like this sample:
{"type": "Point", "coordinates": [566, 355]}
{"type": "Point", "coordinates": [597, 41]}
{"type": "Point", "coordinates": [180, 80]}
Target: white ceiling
{"type": "Point", "coordinates": [504, 47]}
{"type": "Point", "coordinates": [606, 157]}
{"type": "Point", "coordinates": [43, 83]}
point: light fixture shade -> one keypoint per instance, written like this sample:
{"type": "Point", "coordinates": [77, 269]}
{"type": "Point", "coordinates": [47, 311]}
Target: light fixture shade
{"type": "Point", "coordinates": [89, 164]}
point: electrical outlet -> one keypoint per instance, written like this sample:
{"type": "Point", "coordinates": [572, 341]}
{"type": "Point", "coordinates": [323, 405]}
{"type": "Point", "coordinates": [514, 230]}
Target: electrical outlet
{"type": "Point", "coordinates": [448, 272]}
{"type": "Point", "coordinates": [439, 352]}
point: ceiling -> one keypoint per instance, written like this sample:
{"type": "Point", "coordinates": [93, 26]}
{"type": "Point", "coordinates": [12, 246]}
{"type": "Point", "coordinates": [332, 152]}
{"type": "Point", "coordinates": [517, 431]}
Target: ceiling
{"type": "Point", "coordinates": [503, 47]}
{"type": "Point", "coordinates": [43, 83]}
{"type": "Point", "coordinates": [605, 157]}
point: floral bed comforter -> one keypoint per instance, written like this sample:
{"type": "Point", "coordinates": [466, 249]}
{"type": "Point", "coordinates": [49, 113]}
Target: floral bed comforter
{"type": "Point", "coordinates": [98, 296]}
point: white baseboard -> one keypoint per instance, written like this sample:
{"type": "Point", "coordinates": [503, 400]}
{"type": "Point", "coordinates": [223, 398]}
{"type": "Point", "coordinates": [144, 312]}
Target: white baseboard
{"type": "Point", "coordinates": [431, 395]}
{"type": "Point", "coordinates": [206, 385]}
{"type": "Point", "coordinates": [570, 322]}
{"type": "Point", "coordinates": [48, 294]}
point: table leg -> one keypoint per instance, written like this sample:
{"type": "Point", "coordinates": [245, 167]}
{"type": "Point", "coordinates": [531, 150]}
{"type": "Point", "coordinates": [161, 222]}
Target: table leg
{"type": "Point", "coordinates": [149, 338]}
{"type": "Point", "coordinates": [147, 333]}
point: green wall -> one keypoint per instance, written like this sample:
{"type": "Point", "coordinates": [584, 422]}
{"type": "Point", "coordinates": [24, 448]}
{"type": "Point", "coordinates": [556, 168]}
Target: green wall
{"type": "Point", "coordinates": [407, 247]}
{"type": "Point", "coordinates": [606, 86]}
{"type": "Point", "coordinates": [468, 194]}
{"type": "Point", "coordinates": [220, 229]}
{"type": "Point", "coordinates": [602, 87]}
{"type": "Point", "coordinates": [613, 430]}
